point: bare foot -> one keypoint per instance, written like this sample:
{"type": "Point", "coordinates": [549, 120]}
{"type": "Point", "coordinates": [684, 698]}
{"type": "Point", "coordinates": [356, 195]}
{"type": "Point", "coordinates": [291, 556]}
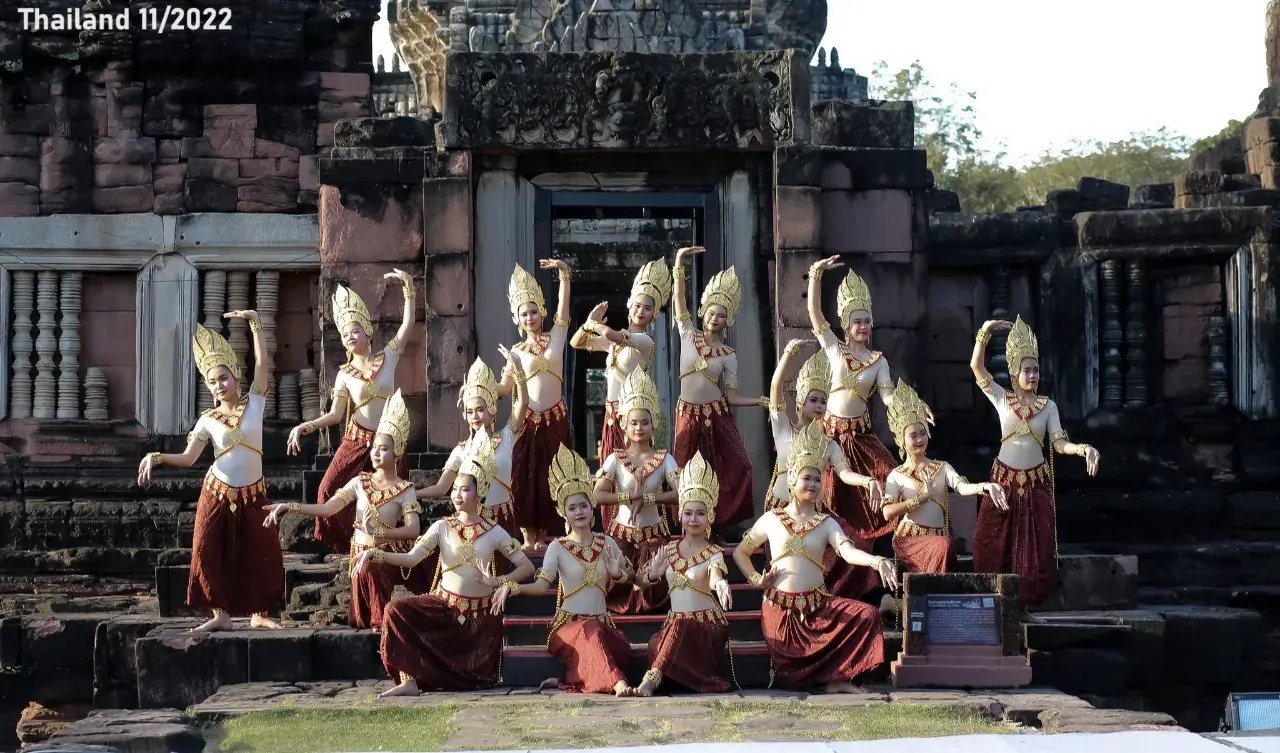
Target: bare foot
{"type": "Point", "coordinates": [263, 622]}
{"type": "Point", "coordinates": [221, 622]}
{"type": "Point", "coordinates": [532, 541]}
{"type": "Point", "coordinates": [551, 683]}
{"type": "Point", "coordinates": [621, 690]}
{"type": "Point", "coordinates": [645, 690]}
{"type": "Point", "coordinates": [845, 687]}
{"type": "Point", "coordinates": [406, 688]}
{"type": "Point", "coordinates": [886, 604]}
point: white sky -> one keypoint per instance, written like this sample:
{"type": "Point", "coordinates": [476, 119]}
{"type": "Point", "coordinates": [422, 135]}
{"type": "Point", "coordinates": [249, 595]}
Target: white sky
{"type": "Point", "coordinates": [1049, 72]}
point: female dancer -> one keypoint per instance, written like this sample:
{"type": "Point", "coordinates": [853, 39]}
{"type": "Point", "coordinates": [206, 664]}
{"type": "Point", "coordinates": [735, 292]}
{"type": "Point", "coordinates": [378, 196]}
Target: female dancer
{"type": "Point", "coordinates": [1019, 534]}
{"type": "Point", "coordinates": [546, 426]}
{"type": "Point", "coordinates": [479, 401]}
{"type": "Point", "coordinates": [360, 392]}
{"type": "Point", "coordinates": [631, 480]}
{"type": "Point", "coordinates": [916, 493]}
{"type": "Point", "coordinates": [812, 385]}
{"type": "Point", "coordinates": [628, 350]}
{"type": "Point", "coordinates": [237, 567]}
{"type": "Point", "coordinates": [582, 635]}
{"type": "Point", "coordinates": [855, 371]}
{"type": "Point", "coordinates": [709, 388]}
{"type": "Point", "coordinates": [387, 518]}
{"type": "Point", "coordinates": [814, 638]}
{"type": "Point", "coordinates": [692, 648]}
{"type": "Point", "coordinates": [451, 638]}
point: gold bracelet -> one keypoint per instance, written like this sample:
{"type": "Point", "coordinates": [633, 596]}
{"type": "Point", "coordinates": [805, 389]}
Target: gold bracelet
{"type": "Point", "coordinates": [677, 272]}
{"type": "Point", "coordinates": [756, 580]}
{"type": "Point", "coordinates": [815, 272]}
{"type": "Point", "coordinates": [255, 325]}
{"type": "Point", "coordinates": [564, 275]}
{"type": "Point", "coordinates": [409, 292]}
{"type": "Point", "coordinates": [1082, 449]}
{"type": "Point", "coordinates": [983, 336]}
{"type": "Point", "coordinates": [295, 507]}
{"type": "Point", "coordinates": [513, 588]}
{"type": "Point", "coordinates": [820, 331]}
{"type": "Point", "coordinates": [378, 555]}
{"type": "Point", "coordinates": [763, 402]}
{"type": "Point", "coordinates": [650, 499]}
{"type": "Point", "coordinates": [563, 322]}
{"type": "Point", "coordinates": [156, 459]}
{"type": "Point", "coordinates": [624, 498]}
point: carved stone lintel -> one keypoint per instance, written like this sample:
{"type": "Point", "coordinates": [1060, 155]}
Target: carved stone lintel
{"type": "Point", "coordinates": [1112, 337]}
{"type": "Point", "coordinates": [741, 100]}
{"type": "Point", "coordinates": [1135, 336]}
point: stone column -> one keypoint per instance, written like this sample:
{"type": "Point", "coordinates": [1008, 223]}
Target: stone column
{"type": "Point", "coordinates": [45, 400]}
{"type": "Point", "coordinates": [1112, 272]}
{"type": "Point", "coordinates": [69, 347]}
{"type": "Point", "coordinates": [24, 299]}
{"type": "Point", "coordinates": [214, 303]}
{"type": "Point", "coordinates": [504, 207]}
{"type": "Point", "coordinates": [168, 294]}
{"type": "Point", "coordinates": [6, 296]}
{"type": "Point", "coordinates": [1252, 275]}
{"type": "Point", "coordinates": [267, 291]}
{"type": "Point", "coordinates": [238, 329]}
{"type": "Point", "coordinates": [1135, 336]}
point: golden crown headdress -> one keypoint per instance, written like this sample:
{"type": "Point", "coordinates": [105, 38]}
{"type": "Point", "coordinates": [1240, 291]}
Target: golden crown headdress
{"type": "Point", "coordinates": [524, 289]}
{"type": "Point", "coordinates": [1020, 344]}
{"type": "Point", "coordinates": [479, 462]}
{"type": "Point", "coordinates": [638, 393]}
{"type": "Point", "coordinates": [653, 280]}
{"type": "Point", "coordinates": [815, 374]}
{"type": "Point", "coordinates": [349, 307]}
{"type": "Point", "coordinates": [698, 483]}
{"type": "Point", "coordinates": [724, 289]}
{"type": "Point", "coordinates": [809, 449]}
{"type": "Point", "coordinates": [906, 409]}
{"type": "Point", "coordinates": [480, 383]}
{"type": "Point", "coordinates": [854, 295]}
{"type": "Point", "coordinates": [212, 350]}
{"type": "Point", "coordinates": [568, 475]}
{"type": "Point", "coordinates": [395, 422]}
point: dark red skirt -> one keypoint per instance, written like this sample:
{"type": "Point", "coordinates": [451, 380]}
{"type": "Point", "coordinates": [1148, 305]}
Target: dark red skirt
{"type": "Point", "coordinates": [639, 547]}
{"type": "Point", "coordinates": [845, 580]}
{"type": "Point", "coordinates": [815, 639]}
{"type": "Point", "coordinates": [922, 550]}
{"type": "Point", "coordinates": [868, 456]}
{"type": "Point", "coordinates": [372, 587]}
{"type": "Point", "coordinates": [236, 564]}
{"type": "Point", "coordinates": [1021, 539]}
{"type": "Point", "coordinates": [692, 650]}
{"type": "Point", "coordinates": [350, 460]}
{"type": "Point", "coordinates": [531, 458]}
{"type": "Point", "coordinates": [594, 652]}
{"type": "Point", "coordinates": [709, 428]}
{"type": "Point", "coordinates": [423, 638]}
{"type": "Point", "coordinates": [502, 515]}
{"type": "Point", "coordinates": [612, 439]}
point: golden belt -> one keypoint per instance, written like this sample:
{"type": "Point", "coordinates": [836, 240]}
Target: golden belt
{"type": "Point", "coordinates": [704, 411]}
{"type": "Point", "coordinates": [495, 513]}
{"type": "Point", "coordinates": [714, 616]}
{"type": "Point", "coordinates": [911, 528]}
{"type": "Point", "coordinates": [224, 492]}
{"type": "Point", "coordinates": [834, 425]}
{"type": "Point", "coordinates": [798, 602]}
{"type": "Point", "coordinates": [633, 535]}
{"type": "Point", "coordinates": [358, 434]}
{"type": "Point", "coordinates": [1019, 478]}
{"type": "Point", "coordinates": [554, 413]}
{"type": "Point", "coordinates": [465, 606]}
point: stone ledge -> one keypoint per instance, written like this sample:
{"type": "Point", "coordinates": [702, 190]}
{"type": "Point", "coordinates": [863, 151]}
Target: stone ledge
{"type": "Point", "coordinates": [131, 732]}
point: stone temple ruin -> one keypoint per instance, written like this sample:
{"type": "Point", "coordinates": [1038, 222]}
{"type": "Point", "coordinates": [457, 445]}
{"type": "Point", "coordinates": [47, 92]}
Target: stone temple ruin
{"type": "Point", "coordinates": [147, 181]}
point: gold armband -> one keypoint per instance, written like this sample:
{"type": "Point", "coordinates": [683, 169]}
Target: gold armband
{"type": "Point", "coordinates": [255, 325]}
{"type": "Point", "coordinates": [560, 320]}
{"type": "Point", "coordinates": [749, 541]}
{"type": "Point", "coordinates": [730, 385]}
{"type": "Point", "coordinates": [756, 580]}
{"type": "Point", "coordinates": [544, 576]}
{"type": "Point", "coordinates": [410, 508]}
{"type": "Point", "coordinates": [824, 329]}
{"type": "Point", "coordinates": [1083, 449]}
{"type": "Point", "coordinates": [1061, 434]}
{"type": "Point", "coordinates": [409, 292]}
{"type": "Point", "coordinates": [295, 507]}
{"type": "Point", "coordinates": [378, 555]}
{"type": "Point", "coordinates": [565, 274]}
{"type": "Point", "coordinates": [984, 384]}
{"type": "Point", "coordinates": [983, 336]}
{"type": "Point", "coordinates": [685, 317]}
{"type": "Point", "coordinates": [678, 272]}
{"type": "Point", "coordinates": [512, 587]}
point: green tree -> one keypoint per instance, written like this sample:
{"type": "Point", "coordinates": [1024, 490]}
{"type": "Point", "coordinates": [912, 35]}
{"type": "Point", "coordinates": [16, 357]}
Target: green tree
{"type": "Point", "coordinates": [1232, 130]}
{"type": "Point", "coordinates": [1145, 157]}
{"type": "Point", "coordinates": [946, 120]}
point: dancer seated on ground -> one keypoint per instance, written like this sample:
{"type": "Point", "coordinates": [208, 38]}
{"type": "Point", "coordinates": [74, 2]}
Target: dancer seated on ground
{"type": "Point", "coordinates": [387, 518]}
{"type": "Point", "coordinates": [692, 648]}
{"type": "Point", "coordinates": [814, 638]}
{"type": "Point", "coordinates": [916, 493]}
{"type": "Point", "coordinates": [582, 635]}
{"type": "Point", "coordinates": [451, 638]}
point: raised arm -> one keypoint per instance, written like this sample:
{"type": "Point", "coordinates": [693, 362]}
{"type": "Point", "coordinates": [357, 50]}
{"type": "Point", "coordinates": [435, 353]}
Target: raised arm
{"type": "Point", "coordinates": [596, 335]}
{"type": "Point", "coordinates": [777, 385]}
{"type": "Point", "coordinates": [978, 363]}
{"type": "Point", "coordinates": [816, 317]}
{"type": "Point", "coordinates": [261, 360]}
{"type": "Point", "coordinates": [410, 308]}
{"type": "Point", "coordinates": [562, 303]}
{"type": "Point", "coordinates": [679, 302]}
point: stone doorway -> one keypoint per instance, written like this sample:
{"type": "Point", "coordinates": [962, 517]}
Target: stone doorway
{"type": "Point", "coordinates": [606, 236]}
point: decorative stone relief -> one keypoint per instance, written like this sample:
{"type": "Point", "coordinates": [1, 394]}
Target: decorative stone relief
{"type": "Point", "coordinates": [415, 31]}
{"type": "Point", "coordinates": [95, 394]}
{"type": "Point", "coordinates": [309, 394]}
{"type": "Point", "coordinates": [45, 400]}
{"type": "Point", "coordinates": [69, 346]}
{"type": "Point", "coordinates": [267, 291]}
{"type": "Point", "coordinates": [24, 299]}
{"type": "Point", "coordinates": [617, 100]}
{"type": "Point", "coordinates": [214, 303]}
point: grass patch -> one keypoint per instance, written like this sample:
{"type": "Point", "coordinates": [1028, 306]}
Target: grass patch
{"type": "Point", "coordinates": [334, 730]}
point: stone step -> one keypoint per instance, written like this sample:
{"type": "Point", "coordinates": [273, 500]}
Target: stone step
{"type": "Point", "coordinates": [1212, 564]}
{"type": "Point", "coordinates": [743, 626]}
{"type": "Point", "coordinates": [1174, 516]}
{"type": "Point", "coordinates": [746, 597]}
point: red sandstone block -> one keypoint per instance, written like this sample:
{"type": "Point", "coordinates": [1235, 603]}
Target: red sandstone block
{"type": "Point", "coordinates": [308, 172]}
{"type": "Point", "coordinates": [798, 217]}
{"type": "Point", "coordinates": [866, 221]}
{"type": "Point", "coordinates": [1260, 131]}
{"type": "Point", "coordinates": [895, 291]}
{"type": "Point", "coordinates": [448, 346]}
{"type": "Point", "coordinates": [230, 117]}
{"type": "Point", "coordinates": [115, 176]}
{"type": "Point", "coordinates": [335, 86]}
{"type": "Point", "coordinates": [224, 171]}
{"type": "Point", "coordinates": [324, 134]}
{"type": "Point", "coordinates": [443, 421]}
{"type": "Point", "coordinates": [1204, 293]}
{"type": "Point", "coordinates": [1188, 378]}
{"type": "Point", "coordinates": [20, 170]}
{"type": "Point", "coordinates": [836, 176]}
{"type": "Point", "coordinates": [447, 213]}
{"type": "Point", "coordinates": [280, 193]}
{"type": "Point", "coordinates": [167, 179]}
{"type": "Point", "coordinates": [383, 296]}
{"type": "Point", "coordinates": [140, 151]}
{"type": "Point", "coordinates": [332, 112]}
{"type": "Point", "coordinates": [1184, 337]}
{"type": "Point", "coordinates": [14, 145]}
{"type": "Point", "coordinates": [448, 285]}
{"type": "Point", "coordinates": [263, 149]}
{"type": "Point", "coordinates": [394, 237]}
{"type": "Point", "coordinates": [168, 203]}
{"type": "Point", "coordinates": [792, 286]}
{"type": "Point", "coordinates": [1262, 156]}
{"type": "Point", "coordinates": [1270, 177]}
{"type": "Point", "coordinates": [123, 200]}
{"type": "Point", "coordinates": [19, 200]}
{"type": "Point", "coordinates": [230, 143]}
{"type": "Point", "coordinates": [58, 150]}
{"type": "Point", "coordinates": [168, 151]}
{"type": "Point", "coordinates": [269, 167]}
{"type": "Point", "coordinates": [54, 178]}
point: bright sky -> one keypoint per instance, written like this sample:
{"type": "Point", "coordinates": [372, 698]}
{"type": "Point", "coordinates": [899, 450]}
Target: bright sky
{"type": "Point", "coordinates": [1046, 73]}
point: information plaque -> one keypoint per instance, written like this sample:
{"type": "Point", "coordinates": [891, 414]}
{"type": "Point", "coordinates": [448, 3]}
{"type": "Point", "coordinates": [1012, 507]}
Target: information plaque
{"type": "Point", "coordinates": [956, 620]}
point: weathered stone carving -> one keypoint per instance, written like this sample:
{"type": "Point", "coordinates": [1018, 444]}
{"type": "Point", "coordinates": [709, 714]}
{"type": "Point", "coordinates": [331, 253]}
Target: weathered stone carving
{"type": "Point", "coordinates": [95, 394]}
{"type": "Point", "coordinates": [214, 300]}
{"type": "Point", "coordinates": [45, 402]}
{"type": "Point", "coordinates": [288, 402]}
{"type": "Point", "coordinates": [739, 100]}
{"type": "Point", "coordinates": [415, 31]}
{"type": "Point", "coordinates": [69, 346]}
{"type": "Point", "coordinates": [267, 291]}
{"type": "Point", "coordinates": [309, 394]}
{"type": "Point", "coordinates": [24, 300]}
{"type": "Point", "coordinates": [1135, 336]}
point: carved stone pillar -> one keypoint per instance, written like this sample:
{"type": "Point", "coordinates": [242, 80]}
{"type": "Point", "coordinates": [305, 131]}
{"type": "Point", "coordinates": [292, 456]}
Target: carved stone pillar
{"type": "Point", "coordinates": [69, 346]}
{"type": "Point", "coordinates": [288, 400]}
{"type": "Point", "coordinates": [267, 290]}
{"type": "Point", "coordinates": [24, 300]}
{"type": "Point", "coordinates": [168, 304]}
{"type": "Point", "coordinates": [1001, 302]}
{"type": "Point", "coordinates": [1219, 374]}
{"type": "Point", "coordinates": [1112, 335]}
{"type": "Point", "coordinates": [95, 394]}
{"type": "Point", "coordinates": [309, 394]}
{"type": "Point", "coordinates": [214, 304]}
{"type": "Point", "coordinates": [44, 402]}
{"type": "Point", "coordinates": [6, 295]}
{"type": "Point", "coordinates": [238, 329]}
{"type": "Point", "coordinates": [1135, 336]}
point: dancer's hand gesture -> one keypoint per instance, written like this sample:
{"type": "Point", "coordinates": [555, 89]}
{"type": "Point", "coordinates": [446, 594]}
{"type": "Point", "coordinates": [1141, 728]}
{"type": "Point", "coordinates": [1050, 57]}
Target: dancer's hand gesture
{"type": "Point", "coordinates": [996, 492]}
{"type": "Point", "coordinates": [277, 512]}
{"type": "Point", "coordinates": [724, 594]}
{"type": "Point", "coordinates": [888, 571]}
